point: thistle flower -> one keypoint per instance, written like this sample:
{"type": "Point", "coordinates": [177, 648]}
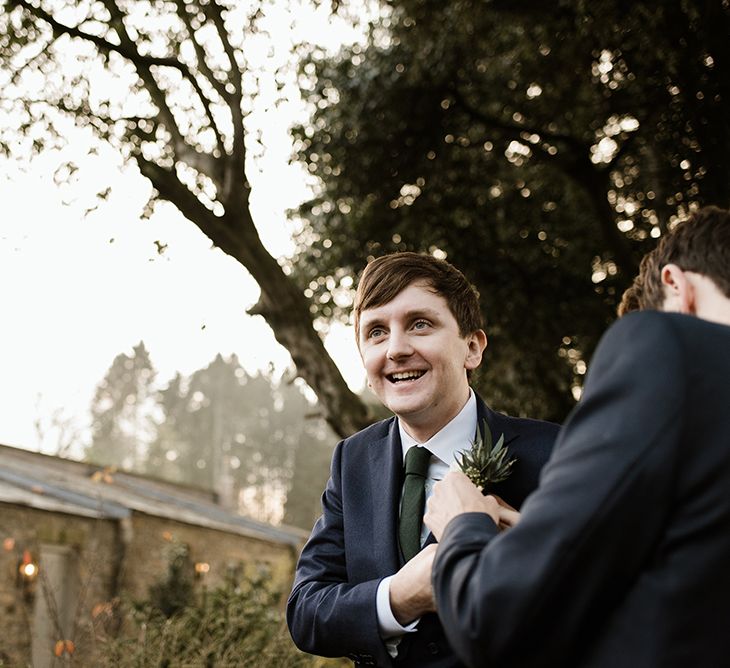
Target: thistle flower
{"type": "Point", "coordinates": [485, 463]}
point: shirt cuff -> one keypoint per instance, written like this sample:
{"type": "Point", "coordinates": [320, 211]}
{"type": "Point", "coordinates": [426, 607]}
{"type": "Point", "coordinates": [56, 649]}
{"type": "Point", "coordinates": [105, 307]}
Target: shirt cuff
{"type": "Point", "coordinates": [388, 625]}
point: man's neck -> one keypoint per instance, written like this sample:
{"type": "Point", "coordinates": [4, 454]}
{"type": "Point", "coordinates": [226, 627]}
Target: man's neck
{"type": "Point", "coordinates": [447, 443]}
{"type": "Point", "coordinates": [422, 432]}
{"type": "Point", "coordinates": [710, 302]}
{"type": "Point", "coordinates": [716, 310]}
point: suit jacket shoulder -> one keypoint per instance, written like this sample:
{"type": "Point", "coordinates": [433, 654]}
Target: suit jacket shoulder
{"type": "Point", "coordinates": [530, 442]}
{"type": "Point", "coordinates": [369, 434]}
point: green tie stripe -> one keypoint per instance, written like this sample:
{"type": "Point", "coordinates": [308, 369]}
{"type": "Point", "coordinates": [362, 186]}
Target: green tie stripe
{"type": "Point", "coordinates": [414, 496]}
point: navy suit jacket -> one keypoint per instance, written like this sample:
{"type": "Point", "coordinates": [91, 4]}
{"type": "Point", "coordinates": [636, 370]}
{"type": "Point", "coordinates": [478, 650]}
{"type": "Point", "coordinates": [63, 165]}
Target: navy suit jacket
{"type": "Point", "coordinates": [622, 556]}
{"type": "Point", "coordinates": [353, 546]}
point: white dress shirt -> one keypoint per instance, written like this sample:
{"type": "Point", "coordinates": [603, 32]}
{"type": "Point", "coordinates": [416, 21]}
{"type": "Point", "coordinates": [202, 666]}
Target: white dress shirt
{"type": "Point", "coordinates": [444, 445]}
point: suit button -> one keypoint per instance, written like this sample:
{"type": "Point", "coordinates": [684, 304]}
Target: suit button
{"type": "Point", "coordinates": [433, 648]}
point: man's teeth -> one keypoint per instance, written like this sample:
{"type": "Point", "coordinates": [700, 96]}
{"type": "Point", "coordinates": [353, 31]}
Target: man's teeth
{"type": "Point", "coordinates": [406, 375]}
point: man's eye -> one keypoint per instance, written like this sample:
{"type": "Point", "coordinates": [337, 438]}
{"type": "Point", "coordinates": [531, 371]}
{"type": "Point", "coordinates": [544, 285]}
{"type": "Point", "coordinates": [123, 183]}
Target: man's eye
{"type": "Point", "coordinates": [375, 332]}
{"type": "Point", "coordinates": [421, 324]}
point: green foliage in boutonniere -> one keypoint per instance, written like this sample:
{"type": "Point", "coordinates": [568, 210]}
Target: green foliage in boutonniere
{"type": "Point", "coordinates": [483, 462]}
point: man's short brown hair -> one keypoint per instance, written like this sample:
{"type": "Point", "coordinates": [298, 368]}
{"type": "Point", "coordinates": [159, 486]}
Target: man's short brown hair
{"type": "Point", "coordinates": [386, 277]}
{"type": "Point", "coordinates": [700, 244]}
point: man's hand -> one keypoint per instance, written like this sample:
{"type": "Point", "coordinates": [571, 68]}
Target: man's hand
{"type": "Point", "coordinates": [508, 516]}
{"type": "Point", "coordinates": [454, 495]}
{"type": "Point", "coordinates": [411, 594]}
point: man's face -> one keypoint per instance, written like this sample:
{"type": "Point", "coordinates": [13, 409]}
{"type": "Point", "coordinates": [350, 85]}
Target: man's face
{"type": "Point", "coordinates": [416, 360]}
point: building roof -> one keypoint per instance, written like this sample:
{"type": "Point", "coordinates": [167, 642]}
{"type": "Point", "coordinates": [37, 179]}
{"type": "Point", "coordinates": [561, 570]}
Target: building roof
{"type": "Point", "coordinates": [76, 488]}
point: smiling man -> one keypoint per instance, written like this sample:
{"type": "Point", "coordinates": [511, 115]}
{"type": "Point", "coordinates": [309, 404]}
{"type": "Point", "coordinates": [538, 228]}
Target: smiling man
{"type": "Point", "coordinates": [362, 587]}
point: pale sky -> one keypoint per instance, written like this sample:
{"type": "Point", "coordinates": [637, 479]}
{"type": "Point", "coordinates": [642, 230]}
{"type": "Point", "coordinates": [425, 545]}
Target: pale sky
{"type": "Point", "coordinates": [71, 299]}
{"type": "Point", "coordinates": [76, 290]}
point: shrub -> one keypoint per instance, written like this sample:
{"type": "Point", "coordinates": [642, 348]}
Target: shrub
{"type": "Point", "coordinates": [234, 625]}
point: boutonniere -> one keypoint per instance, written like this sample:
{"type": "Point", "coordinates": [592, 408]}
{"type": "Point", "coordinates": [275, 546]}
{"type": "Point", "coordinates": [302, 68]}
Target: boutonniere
{"type": "Point", "coordinates": [484, 463]}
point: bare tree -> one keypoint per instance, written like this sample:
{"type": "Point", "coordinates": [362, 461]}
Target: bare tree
{"type": "Point", "coordinates": [169, 83]}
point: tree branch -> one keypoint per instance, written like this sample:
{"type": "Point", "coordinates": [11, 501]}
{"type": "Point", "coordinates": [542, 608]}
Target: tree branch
{"type": "Point", "coordinates": [231, 187]}
{"type": "Point", "coordinates": [501, 124]}
{"type": "Point", "coordinates": [181, 7]}
{"type": "Point", "coordinates": [102, 44]}
{"type": "Point", "coordinates": [172, 190]}
{"type": "Point", "coordinates": [97, 120]}
{"type": "Point", "coordinates": [214, 11]}
{"type": "Point", "coordinates": [142, 63]}
{"type": "Point", "coordinates": [202, 162]}
{"type": "Point", "coordinates": [206, 72]}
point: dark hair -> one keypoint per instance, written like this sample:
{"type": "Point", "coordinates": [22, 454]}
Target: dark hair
{"type": "Point", "coordinates": [700, 244]}
{"type": "Point", "coordinates": [386, 277]}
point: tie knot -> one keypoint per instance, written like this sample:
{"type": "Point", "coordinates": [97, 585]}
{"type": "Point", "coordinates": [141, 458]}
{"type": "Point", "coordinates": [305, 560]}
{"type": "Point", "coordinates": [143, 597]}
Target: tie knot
{"type": "Point", "coordinates": [417, 460]}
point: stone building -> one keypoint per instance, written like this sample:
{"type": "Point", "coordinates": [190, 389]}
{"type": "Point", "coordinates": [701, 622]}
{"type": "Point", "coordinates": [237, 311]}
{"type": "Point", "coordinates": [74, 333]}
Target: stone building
{"type": "Point", "coordinates": [76, 538]}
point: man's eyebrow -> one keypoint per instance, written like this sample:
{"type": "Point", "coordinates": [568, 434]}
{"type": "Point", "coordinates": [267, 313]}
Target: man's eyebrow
{"type": "Point", "coordinates": [410, 314]}
{"type": "Point", "coordinates": [422, 313]}
{"type": "Point", "coordinates": [365, 322]}
{"type": "Point", "coordinates": [369, 321]}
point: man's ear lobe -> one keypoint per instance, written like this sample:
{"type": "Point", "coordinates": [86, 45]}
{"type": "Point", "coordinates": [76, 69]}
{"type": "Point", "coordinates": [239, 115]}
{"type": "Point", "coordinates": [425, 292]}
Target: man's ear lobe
{"type": "Point", "coordinates": [680, 291]}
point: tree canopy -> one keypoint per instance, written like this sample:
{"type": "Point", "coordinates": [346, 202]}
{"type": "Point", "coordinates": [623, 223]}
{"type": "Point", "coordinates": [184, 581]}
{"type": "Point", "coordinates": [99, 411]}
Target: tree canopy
{"type": "Point", "coordinates": [541, 147]}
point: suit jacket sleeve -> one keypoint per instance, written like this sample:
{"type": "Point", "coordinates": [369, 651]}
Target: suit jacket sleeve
{"type": "Point", "coordinates": [327, 614]}
{"type": "Point", "coordinates": [522, 597]}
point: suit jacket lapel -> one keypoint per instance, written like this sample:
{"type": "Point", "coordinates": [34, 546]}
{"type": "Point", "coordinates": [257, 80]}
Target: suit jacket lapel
{"type": "Point", "coordinates": [498, 426]}
{"type": "Point", "coordinates": [386, 481]}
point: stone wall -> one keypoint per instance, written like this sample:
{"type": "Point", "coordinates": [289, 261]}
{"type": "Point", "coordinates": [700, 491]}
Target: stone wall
{"type": "Point", "coordinates": [152, 539]}
{"type": "Point", "coordinates": [24, 532]}
{"type": "Point", "coordinates": [111, 559]}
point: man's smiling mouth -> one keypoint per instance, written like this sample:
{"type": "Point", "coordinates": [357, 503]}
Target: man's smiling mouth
{"type": "Point", "coordinates": [404, 376]}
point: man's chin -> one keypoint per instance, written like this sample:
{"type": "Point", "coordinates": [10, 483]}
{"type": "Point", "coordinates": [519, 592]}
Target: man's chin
{"type": "Point", "coordinates": [410, 412]}
{"type": "Point", "coordinates": [405, 400]}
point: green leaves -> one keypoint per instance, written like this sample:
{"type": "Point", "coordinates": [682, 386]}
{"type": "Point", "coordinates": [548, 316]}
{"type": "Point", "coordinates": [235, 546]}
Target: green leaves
{"type": "Point", "coordinates": [485, 463]}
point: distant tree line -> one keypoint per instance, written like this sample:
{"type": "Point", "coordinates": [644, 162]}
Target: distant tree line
{"type": "Point", "coordinates": [261, 447]}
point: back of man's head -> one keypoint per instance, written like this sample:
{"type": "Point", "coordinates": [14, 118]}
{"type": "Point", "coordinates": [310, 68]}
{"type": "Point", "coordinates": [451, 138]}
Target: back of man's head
{"type": "Point", "coordinates": [386, 277]}
{"type": "Point", "coordinates": [700, 244]}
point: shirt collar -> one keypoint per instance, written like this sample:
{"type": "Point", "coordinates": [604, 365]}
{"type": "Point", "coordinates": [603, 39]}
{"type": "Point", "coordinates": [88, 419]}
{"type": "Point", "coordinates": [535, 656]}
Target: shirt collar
{"type": "Point", "coordinates": [451, 440]}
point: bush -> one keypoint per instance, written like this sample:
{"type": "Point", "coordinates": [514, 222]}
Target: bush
{"type": "Point", "coordinates": [233, 625]}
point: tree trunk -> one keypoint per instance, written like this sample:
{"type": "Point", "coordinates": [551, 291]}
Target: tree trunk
{"type": "Point", "coordinates": [282, 304]}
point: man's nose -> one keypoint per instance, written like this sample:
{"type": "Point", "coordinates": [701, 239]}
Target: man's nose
{"type": "Point", "coordinates": [399, 345]}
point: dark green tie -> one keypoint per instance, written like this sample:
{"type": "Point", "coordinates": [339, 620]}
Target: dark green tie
{"type": "Point", "coordinates": [414, 496]}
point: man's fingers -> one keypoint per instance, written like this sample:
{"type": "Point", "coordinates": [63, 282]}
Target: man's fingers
{"type": "Point", "coordinates": [508, 517]}
{"type": "Point", "coordinates": [502, 502]}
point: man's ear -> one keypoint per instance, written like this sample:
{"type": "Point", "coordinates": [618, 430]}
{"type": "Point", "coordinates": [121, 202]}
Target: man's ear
{"type": "Point", "coordinates": [679, 291]}
{"type": "Point", "coordinates": [476, 342]}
